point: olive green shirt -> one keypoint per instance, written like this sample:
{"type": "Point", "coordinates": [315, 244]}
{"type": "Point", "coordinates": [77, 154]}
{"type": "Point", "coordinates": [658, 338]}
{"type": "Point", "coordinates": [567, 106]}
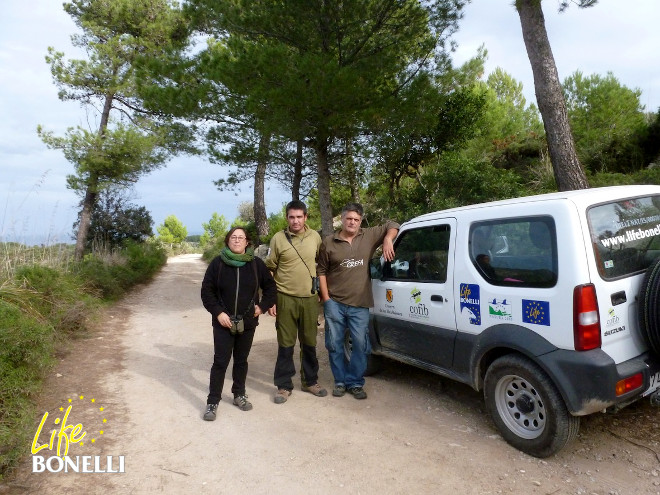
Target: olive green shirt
{"type": "Point", "coordinates": [291, 275]}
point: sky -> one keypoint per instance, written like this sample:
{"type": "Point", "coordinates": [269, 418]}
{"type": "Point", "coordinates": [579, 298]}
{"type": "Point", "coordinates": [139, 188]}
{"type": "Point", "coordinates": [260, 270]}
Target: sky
{"type": "Point", "coordinates": [36, 206]}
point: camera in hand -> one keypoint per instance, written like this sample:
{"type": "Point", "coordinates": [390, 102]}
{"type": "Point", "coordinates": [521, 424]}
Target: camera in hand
{"type": "Point", "coordinates": [315, 285]}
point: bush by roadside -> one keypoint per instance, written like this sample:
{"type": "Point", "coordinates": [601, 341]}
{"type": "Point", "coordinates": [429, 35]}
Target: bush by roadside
{"type": "Point", "coordinates": [113, 274]}
{"type": "Point", "coordinates": [26, 350]}
{"type": "Point", "coordinates": [176, 249]}
{"type": "Point", "coordinates": [44, 302]}
{"type": "Point", "coordinates": [212, 251]}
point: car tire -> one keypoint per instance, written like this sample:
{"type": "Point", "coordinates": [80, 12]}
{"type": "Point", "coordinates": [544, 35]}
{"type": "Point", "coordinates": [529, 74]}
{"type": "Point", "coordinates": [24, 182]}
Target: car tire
{"type": "Point", "coordinates": [527, 407]}
{"type": "Point", "coordinates": [374, 362]}
{"type": "Point", "coordinates": [649, 307]}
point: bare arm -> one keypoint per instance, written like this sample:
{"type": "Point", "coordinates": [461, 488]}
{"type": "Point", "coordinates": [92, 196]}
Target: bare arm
{"type": "Point", "coordinates": [388, 244]}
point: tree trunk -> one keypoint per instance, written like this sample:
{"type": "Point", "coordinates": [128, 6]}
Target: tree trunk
{"type": "Point", "coordinates": [565, 164]}
{"type": "Point", "coordinates": [85, 219]}
{"type": "Point", "coordinates": [297, 171]}
{"type": "Point", "coordinates": [260, 217]}
{"type": "Point", "coordinates": [91, 193]}
{"type": "Point", "coordinates": [353, 175]}
{"type": "Point", "coordinates": [323, 171]}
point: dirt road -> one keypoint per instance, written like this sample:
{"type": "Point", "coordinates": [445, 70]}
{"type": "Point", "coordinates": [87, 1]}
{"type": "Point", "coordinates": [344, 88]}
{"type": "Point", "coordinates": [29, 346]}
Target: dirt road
{"type": "Point", "coordinates": [147, 368]}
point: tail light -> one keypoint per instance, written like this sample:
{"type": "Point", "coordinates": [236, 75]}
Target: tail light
{"type": "Point", "coordinates": [586, 322]}
{"type": "Point", "coordinates": [627, 384]}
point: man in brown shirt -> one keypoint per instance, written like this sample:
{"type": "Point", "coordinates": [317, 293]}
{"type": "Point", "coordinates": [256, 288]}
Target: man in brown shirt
{"type": "Point", "coordinates": [345, 285]}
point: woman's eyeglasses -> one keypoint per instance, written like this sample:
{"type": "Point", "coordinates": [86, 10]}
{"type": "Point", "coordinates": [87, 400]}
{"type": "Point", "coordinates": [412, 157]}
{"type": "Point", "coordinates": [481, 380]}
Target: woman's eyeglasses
{"type": "Point", "coordinates": [237, 238]}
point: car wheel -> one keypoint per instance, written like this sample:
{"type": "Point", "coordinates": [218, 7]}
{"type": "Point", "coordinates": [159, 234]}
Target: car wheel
{"type": "Point", "coordinates": [374, 362]}
{"type": "Point", "coordinates": [527, 408]}
{"type": "Point", "coordinates": [649, 307]}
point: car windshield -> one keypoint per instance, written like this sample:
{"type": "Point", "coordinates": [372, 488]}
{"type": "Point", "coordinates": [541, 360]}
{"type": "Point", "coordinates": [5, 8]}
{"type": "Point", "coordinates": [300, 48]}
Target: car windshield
{"type": "Point", "coordinates": [625, 235]}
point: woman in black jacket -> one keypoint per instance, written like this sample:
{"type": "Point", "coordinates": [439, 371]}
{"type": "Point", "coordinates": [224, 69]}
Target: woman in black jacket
{"type": "Point", "coordinates": [230, 291]}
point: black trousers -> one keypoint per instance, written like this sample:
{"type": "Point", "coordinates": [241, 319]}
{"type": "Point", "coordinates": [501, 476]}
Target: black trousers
{"type": "Point", "coordinates": [226, 345]}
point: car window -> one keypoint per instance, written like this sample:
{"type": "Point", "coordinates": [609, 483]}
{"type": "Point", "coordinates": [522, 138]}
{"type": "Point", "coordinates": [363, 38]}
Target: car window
{"type": "Point", "coordinates": [625, 235]}
{"type": "Point", "coordinates": [421, 254]}
{"type": "Point", "coordinates": [519, 252]}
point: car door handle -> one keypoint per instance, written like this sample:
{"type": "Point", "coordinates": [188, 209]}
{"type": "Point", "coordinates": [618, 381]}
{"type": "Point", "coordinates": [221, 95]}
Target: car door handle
{"type": "Point", "coordinates": [437, 298]}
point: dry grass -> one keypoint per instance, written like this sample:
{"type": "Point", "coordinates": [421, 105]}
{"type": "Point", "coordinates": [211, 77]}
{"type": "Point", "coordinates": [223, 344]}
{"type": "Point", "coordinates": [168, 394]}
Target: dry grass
{"type": "Point", "coordinates": [14, 255]}
{"type": "Point", "coordinates": [19, 297]}
{"type": "Point", "coordinates": [543, 177]}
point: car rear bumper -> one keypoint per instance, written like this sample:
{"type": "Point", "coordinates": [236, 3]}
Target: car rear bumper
{"type": "Point", "coordinates": [587, 380]}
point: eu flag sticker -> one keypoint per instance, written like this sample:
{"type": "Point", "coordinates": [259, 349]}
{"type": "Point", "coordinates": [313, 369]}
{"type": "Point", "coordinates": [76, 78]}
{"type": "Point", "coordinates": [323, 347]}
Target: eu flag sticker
{"type": "Point", "coordinates": [536, 312]}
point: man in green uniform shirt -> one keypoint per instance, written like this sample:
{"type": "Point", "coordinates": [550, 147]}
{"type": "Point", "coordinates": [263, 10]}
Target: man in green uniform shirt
{"type": "Point", "coordinates": [292, 259]}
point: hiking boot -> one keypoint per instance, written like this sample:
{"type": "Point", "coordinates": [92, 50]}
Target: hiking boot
{"type": "Point", "coordinates": [357, 392]}
{"type": "Point", "coordinates": [209, 414]}
{"type": "Point", "coordinates": [242, 402]}
{"type": "Point", "coordinates": [282, 395]}
{"type": "Point", "coordinates": [339, 391]}
{"type": "Point", "coordinates": [315, 390]}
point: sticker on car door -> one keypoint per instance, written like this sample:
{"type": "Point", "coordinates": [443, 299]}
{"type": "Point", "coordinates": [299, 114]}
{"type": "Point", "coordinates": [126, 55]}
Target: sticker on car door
{"type": "Point", "coordinates": [470, 303]}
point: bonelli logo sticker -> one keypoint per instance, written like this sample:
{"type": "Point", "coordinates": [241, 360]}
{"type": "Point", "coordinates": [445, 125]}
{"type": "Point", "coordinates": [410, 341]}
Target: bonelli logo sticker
{"type": "Point", "coordinates": [57, 433]}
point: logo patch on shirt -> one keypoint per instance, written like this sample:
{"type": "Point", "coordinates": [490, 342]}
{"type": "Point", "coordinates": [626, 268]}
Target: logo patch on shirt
{"type": "Point", "coordinates": [351, 263]}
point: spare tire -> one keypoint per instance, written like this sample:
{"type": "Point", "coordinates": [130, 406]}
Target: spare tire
{"type": "Point", "coordinates": [649, 307]}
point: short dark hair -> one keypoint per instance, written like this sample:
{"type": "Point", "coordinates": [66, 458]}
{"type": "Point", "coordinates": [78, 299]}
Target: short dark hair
{"type": "Point", "coordinates": [234, 229]}
{"type": "Point", "coordinates": [356, 207]}
{"type": "Point", "coordinates": [296, 204]}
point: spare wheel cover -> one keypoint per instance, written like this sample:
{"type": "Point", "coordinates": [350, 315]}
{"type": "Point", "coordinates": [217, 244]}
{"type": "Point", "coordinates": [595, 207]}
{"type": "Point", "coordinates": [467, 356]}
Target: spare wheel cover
{"type": "Point", "coordinates": [649, 307]}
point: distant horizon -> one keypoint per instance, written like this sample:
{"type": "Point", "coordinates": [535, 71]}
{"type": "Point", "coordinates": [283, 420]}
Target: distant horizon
{"type": "Point", "coordinates": [32, 240]}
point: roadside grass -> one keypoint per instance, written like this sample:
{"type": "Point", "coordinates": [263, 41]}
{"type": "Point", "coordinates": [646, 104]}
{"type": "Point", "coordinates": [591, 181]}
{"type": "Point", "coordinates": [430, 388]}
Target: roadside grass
{"type": "Point", "coordinates": [212, 251]}
{"type": "Point", "coordinates": [185, 247]}
{"type": "Point", "coordinates": [46, 299]}
{"type": "Point", "coordinates": [15, 255]}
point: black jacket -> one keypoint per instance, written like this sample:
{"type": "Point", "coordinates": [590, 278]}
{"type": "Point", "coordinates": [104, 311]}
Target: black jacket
{"type": "Point", "coordinates": [219, 290]}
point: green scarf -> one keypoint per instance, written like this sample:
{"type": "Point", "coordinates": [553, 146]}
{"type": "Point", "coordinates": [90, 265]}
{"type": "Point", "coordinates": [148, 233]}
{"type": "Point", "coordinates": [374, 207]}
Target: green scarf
{"type": "Point", "coordinates": [233, 259]}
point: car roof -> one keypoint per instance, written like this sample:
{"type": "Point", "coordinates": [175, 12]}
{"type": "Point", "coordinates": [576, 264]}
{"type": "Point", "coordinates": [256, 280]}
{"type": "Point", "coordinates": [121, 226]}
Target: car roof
{"type": "Point", "coordinates": [580, 197]}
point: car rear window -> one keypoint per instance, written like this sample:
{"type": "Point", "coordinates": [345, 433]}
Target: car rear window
{"type": "Point", "coordinates": [519, 252]}
{"type": "Point", "coordinates": [625, 235]}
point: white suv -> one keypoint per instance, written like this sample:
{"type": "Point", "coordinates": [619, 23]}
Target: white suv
{"type": "Point", "coordinates": [549, 304]}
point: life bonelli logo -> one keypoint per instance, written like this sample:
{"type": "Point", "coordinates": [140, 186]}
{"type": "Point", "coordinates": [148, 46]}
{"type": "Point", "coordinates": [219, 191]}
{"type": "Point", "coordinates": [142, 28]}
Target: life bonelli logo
{"type": "Point", "coordinates": [64, 434]}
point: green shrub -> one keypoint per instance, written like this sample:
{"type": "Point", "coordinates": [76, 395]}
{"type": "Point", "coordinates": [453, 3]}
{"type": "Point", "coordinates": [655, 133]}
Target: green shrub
{"type": "Point", "coordinates": [100, 276]}
{"type": "Point", "coordinates": [112, 275]}
{"type": "Point", "coordinates": [213, 251]}
{"type": "Point", "coordinates": [644, 176]}
{"type": "Point", "coordinates": [26, 350]}
{"type": "Point", "coordinates": [59, 296]}
{"type": "Point", "coordinates": [145, 260]}
{"type": "Point", "coordinates": [40, 308]}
